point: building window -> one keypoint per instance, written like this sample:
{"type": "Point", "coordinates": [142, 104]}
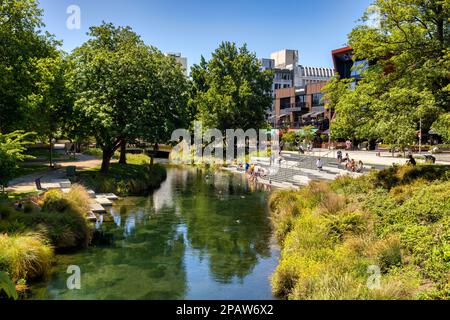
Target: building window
{"type": "Point", "coordinates": [317, 100]}
{"type": "Point", "coordinates": [358, 68]}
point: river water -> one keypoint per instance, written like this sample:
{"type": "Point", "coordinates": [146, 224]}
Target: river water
{"type": "Point", "coordinates": [200, 236]}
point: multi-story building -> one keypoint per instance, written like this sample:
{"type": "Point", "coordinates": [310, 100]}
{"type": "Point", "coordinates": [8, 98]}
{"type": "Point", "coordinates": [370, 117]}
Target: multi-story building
{"type": "Point", "coordinates": [305, 75]}
{"type": "Point", "coordinates": [345, 66]}
{"type": "Point", "coordinates": [290, 75]}
{"type": "Point", "coordinates": [181, 60]}
{"type": "Point", "coordinates": [301, 106]}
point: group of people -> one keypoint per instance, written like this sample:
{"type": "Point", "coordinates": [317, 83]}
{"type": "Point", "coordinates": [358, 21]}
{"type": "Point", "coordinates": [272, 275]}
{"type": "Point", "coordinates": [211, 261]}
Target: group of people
{"type": "Point", "coordinates": [253, 172]}
{"type": "Point", "coordinates": [350, 164]}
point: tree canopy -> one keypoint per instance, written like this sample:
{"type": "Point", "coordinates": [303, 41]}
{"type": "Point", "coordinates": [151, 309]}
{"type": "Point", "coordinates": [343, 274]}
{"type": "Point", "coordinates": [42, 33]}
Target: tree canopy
{"type": "Point", "coordinates": [124, 89]}
{"type": "Point", "coordinates": [231, 91]}
{"type": "Point", "coordinates": [24, 49]}
{"type": "Point", "coordinates": [407, 82]}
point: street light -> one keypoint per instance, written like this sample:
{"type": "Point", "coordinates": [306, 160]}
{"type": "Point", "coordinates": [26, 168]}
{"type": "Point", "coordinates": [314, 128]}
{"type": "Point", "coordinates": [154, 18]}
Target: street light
{"type": "Point", "coordinates": [52, 141]}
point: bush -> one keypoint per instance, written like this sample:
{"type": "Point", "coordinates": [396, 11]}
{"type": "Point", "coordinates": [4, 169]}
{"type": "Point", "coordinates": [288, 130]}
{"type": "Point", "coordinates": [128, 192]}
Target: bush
{"type": "Point", "coordinates": [62, 219]}
{"type": "Point", "coordinates": [6, 211]}
{"type": "Point", "coordinates": [397, 219]}
{"type": "Point", "coordinates": [125, 180]}
{"type": "Point", "coordinates": [26, 256]}
{"type": "Point", "coordinates": [95, 152]}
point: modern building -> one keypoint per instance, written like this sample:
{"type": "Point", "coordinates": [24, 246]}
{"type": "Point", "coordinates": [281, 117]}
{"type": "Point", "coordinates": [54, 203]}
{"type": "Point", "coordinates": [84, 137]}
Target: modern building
{"type": "Point", "coordinates": [297, 107]}
{"type": "Point", "coordinates": [305, 75]}
{"type": "Point", "coordinates": [290, 75]}
{"type": "Point", "coordinates": [345, 66]}
{"type": "Point", "coordinates": [285, 59]}
{"type": "Point", "coordinates": [181, 60]}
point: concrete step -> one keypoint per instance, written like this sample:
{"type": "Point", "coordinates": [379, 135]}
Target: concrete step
{"type": "Point", "coordinates": [97, 208]}
{"type": "Point", "coordinates": [103, 201]}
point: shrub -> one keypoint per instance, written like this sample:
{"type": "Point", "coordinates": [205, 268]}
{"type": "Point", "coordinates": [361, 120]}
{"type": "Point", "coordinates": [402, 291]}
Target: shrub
{"type": "Point", "coordinates": [397, 219]}
{"type": "Point", "coordinates": [6, 211]}
{"type": "Point", "coordinates": [26, 256]}
{"type": "Point", "coordinates": [63, 218]}
{"type": "Point", "coordinates": [124, 180]}
{"type": "Point", "coordinates": [55, 201]}
{"type": "Point", "coordinates": [386, 253]}
{"type": "Point", "coordinates": [79, 196]}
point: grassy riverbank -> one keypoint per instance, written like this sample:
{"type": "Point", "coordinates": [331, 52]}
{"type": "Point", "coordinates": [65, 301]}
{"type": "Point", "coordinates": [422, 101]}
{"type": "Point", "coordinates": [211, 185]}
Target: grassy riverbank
{"type": "Point", "coordinates": [134, 178]}
{"type": "Point", "coordinates": [29, 236]}
{"type": "Point", "coordinates": [336, 236]}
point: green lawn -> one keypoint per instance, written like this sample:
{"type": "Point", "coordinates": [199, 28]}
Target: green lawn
{"type": "Point", "coordinates": [134, 178]}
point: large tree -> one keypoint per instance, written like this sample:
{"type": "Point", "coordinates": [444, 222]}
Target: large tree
{"type": "Point", "coordinates": [23, 45]}
{"type": "Point", "coordinates": [124, 89]}
{"type": "Point", "coordinates": [407, 82]}
{"type": "Point", "coordinates": [230, 91]}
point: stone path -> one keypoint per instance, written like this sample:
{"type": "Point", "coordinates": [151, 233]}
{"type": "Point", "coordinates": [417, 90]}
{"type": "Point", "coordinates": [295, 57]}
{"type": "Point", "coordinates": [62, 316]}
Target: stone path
{"type": "Point", "coordinates": [26, 183]}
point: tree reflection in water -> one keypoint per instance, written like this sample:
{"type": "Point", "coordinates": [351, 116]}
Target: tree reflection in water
{"type": "Point", "coordinates": [154, 243]}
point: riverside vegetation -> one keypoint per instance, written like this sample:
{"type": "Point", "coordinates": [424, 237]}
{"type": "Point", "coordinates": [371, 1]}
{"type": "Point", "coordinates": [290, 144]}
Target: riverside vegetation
{"type": "Point", "coordinates": [29, 238]}
{"type": "Point", "coordinates": [331, 233]}
{"type": "Point", "coordinates": [136, 178]}
{"type": "Point", "coordinates": [56, 222]}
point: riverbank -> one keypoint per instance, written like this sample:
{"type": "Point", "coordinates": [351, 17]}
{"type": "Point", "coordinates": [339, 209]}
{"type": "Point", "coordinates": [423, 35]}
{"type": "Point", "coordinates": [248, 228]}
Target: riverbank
{"type": "Point", "coordinates": [380, 236]}
{"type": "Point", "coordinates": [39, 224]}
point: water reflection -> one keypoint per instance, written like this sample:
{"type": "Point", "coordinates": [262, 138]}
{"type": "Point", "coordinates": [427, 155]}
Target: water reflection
{"type": "Point", "coordinates": [202, 235]}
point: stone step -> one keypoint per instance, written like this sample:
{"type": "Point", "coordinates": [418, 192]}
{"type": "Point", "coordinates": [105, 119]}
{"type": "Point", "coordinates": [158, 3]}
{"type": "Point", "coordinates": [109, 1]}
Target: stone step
{"type": "Point", "coordinates": [64, 183]}
{"type": "Point", "coordinates": [97, 208]}
{"type": "Point", "coordinates": [103, 201]}
{"type": "Point", "coordinates": [91, 216]}
{"type": "Point", "coordinates": [109, 196]}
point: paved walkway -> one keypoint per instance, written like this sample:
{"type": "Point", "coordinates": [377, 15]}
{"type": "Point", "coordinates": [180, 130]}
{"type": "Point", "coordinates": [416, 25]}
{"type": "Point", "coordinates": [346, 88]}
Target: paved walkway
{"type": "Point", "coordinates": [26, 183]}
{"type": "Point", "coordinates": [370, 157]}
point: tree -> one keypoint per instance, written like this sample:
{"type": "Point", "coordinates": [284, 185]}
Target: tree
{"type": "Point", "coordinates": [408, 75]}
{"type": "Point", "coordinates": [23, 44]}
{"type": "Point", "coordinates": [442, 127]}
{"type": "Point", "coordinates": [124, 89]}
{"type": "Point", "coordinates": [50, 99]}
{"type": "Point", "coordinates": [170, 109]}
{"type": "Point", "coordinates": [12, 148]}
{"type": "Point", "coordinates": [230, 91]}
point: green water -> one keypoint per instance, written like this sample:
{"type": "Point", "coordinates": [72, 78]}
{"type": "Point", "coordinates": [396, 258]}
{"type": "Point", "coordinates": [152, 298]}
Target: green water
{"type": "Point", "coordinates": [200, 236]}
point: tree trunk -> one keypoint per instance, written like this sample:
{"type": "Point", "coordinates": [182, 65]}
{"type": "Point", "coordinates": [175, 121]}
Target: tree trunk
{"type": "Point", "coordinates": [153, 154]}
{"type": "Point", "coordinates": [123, 152]}
{"type": "Point", "coordinates": [107, 155]}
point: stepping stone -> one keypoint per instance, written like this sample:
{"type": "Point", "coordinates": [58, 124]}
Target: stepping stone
{"type": "Point", "coordinates": [51, 186]}
{"type": "Point", "coordinates": [103, 201]}
{"type": "Point", "coordinates": [64, 183]}
{"type": "Point", "coordinates": [109, 196]}
{"type": "Point", "coordinates": [91, 216]}
{"type": "Point", "coordinates": [97, 208]}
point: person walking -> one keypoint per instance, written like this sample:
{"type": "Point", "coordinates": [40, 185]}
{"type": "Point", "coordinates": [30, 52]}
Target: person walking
{"type": "Point", "coordinates": [319, 164]}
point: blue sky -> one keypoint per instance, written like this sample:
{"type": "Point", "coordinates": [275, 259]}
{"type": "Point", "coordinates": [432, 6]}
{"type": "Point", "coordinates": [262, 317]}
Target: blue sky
{"type": "Point", "coordinates": [196, 27]}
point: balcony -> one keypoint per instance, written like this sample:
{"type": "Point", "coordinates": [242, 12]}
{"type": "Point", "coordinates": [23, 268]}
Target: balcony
{"type": "Point", "coordinates": [293, 107]}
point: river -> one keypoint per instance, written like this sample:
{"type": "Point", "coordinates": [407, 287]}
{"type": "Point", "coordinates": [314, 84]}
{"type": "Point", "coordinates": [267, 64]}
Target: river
{"type": "Point", "coordinates": [199, 236]}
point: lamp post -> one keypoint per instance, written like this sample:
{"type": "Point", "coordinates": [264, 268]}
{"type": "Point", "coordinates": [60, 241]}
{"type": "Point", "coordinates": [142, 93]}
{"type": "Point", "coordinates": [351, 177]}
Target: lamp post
{"type": "Point", "coordinates": [420, 136]}
{"type": "Point", "coordinates": [52, 141]}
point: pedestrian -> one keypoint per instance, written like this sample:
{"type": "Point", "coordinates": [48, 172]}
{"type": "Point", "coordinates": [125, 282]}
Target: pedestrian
{"type": "Point", "coordinates": [319, 164]}
{"type": "Point", "coordinates": [339, 156]}
{"type": "Point", "coordinates": [360, 167]}
{"type": "Point", "coordinates": [411, 160]}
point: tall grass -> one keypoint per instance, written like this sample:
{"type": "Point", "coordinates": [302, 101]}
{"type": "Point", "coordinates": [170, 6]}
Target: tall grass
{"type": "Point", "coordinates": [330, 233]}
{"type": "Point", "coordinates": [26, 256]}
